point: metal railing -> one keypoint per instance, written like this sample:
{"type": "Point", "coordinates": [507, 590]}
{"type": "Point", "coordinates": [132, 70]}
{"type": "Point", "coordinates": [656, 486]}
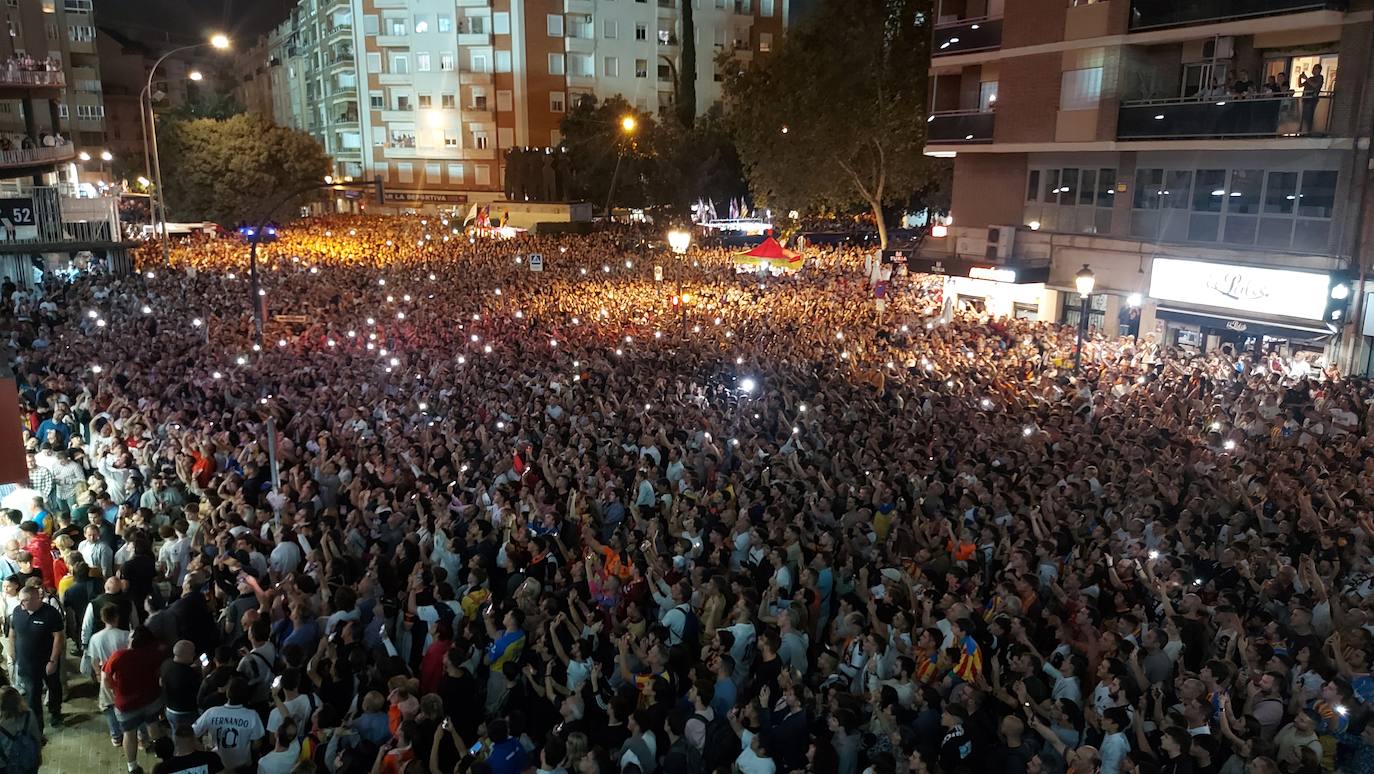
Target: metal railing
{"type": "Point", "coordinates": [16, 77]}
{"type": "Point", "coordinates": [1285, 116]}
{"type": "Point", "coordinates": [25, 157]}
{"type": "Point", "coordinates": [1150, 14]}
{"type": "Point", "coordinates": [965, 35]}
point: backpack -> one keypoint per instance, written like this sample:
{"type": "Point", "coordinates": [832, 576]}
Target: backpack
{"type": "Point", "coordinates": [19, 753]}
{"type": "Point", "coordinates": [721, 746]}
{"type": "Point", "coordinates": [691, 628]}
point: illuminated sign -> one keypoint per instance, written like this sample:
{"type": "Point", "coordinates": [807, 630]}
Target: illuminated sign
{"type": "Point", "coordinates": [995, 275]}
{"type": "Point", "coordinates": [1283, 292]}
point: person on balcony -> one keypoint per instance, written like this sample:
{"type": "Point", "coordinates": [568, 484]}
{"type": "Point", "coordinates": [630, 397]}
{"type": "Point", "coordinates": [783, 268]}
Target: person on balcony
{"type": "Point", "coordinates": [1311, 95]}
{"type": "Point", "coordinates": [1243, 86]}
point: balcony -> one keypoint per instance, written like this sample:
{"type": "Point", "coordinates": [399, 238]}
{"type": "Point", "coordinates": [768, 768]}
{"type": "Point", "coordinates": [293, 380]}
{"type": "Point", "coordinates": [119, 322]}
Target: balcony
{"type": "Point", "coordinates": [25, 158]}
{"type": "Point", "coordinates": [967, 35]}
{"type": "Point", "coordinates": [1222, 118]}
{"type": "Point", "coordinates": [466, 39]}
{"type": "Point", "coordinates": [960, 126]}
{"type": "Point", "coordinates": [32, 78]}
{"type": "Point", "coordinates": [1154, 14]}
{"type": "Point", "coordinates": [393, 41]}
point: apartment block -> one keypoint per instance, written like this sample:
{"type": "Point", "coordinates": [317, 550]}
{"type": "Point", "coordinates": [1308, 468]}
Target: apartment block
{"type": "Point", "coordinates": [430, 94]}
{"type": "Point", "coordinates": [1207, 160]}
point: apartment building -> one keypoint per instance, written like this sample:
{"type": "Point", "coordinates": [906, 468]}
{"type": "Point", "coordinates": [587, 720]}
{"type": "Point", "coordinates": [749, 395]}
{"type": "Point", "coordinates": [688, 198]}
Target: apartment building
{"type": "Point", "coordinates": [430, 94]}
{"type": "Point", "coordinates": [1207, 160]}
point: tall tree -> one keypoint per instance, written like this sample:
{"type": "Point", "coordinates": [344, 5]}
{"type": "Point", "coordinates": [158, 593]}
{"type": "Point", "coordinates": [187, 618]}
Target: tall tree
{"type": "Point", "coordinates": [598, 143]}
{"type": "Point", "coordinates": [836, 114]}
{"type": "Point", "coordinates": [687, 72]}
{"type": "Point", "coordinates": [226, 170]}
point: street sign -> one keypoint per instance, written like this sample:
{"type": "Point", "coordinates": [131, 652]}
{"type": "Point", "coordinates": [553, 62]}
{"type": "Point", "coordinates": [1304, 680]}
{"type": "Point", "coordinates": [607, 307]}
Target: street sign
{"type": "Point", "coordinates": [536, 261]}
{"type": "Point", "coordinates": [658, 274]}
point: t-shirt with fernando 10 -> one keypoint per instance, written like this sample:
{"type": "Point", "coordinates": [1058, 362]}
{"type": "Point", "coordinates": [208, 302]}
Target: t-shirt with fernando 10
{"type": "Point", "coordinates": [235, 728]}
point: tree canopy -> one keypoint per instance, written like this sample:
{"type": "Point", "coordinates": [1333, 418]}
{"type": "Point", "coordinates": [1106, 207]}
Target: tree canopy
{"type": "Point", "coordinates": [836, 114]}
{"type": "Point", "coordinates": [227, 170]}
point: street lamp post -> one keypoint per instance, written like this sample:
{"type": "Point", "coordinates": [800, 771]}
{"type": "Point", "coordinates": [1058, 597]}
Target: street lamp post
{"type": "Point", "coordinates": [149, 120]}
{"type": "Point", "coordinates": [628, 125]}
{"type": "Point", "coordinates": [1083, 281]}
{"type": "Point", "coordinates": [679, 240]}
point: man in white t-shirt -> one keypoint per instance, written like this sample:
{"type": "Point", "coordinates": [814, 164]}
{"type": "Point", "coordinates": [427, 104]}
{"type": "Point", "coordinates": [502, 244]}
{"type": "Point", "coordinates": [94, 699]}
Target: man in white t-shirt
{"type": "Point", "coordinates": [285, 752]}
{"type": "Point", "coordinates": [289, 706]}
{"type": "Point", "coordinates": [233, 727]}
{"type": "Point", "coordinates": [104, 643]}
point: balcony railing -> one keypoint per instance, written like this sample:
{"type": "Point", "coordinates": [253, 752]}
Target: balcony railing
{"type": "Point", "coordinates": [27, 157]}
{"type": "Point", "coordinates": [960, 126]}
{"type": "Point", "coordinates": [16, 77]}
{"type": "Point", "coordinates": [1151, 14]}
{"type": "Point", "coordinates": [967, 35]}
{"type": "Point", "coordinates": [1255, 117]}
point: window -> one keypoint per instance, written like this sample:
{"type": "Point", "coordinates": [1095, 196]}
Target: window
{"type": "Point", "coordinates": [641, 68]}
{"type": "Point", "coordinates": [90, 112]}
{"type": "Point", "coordinates": [370, 25]}
{"type": "Point", "coordinates": [374, 61]}
{"type": "Point", "coordinates": [421, 24]}
{"type": "Point", "coordinates": [766, 8]}
{"type": "Point", "coordinates": [426, 101]}
{"type": "Point", "coordinates": [376, 101]}
{"type": "Point", "coordinates": [555, 25]}
{"type": "Point", "coordinates": [557, 66]}
{"type": "Point", "coordinates": [445, 23]}
{"type": "Point", "coordinates": [580, 65]}
{"type": "Point", "coordinates": [641, 32]}
{"type": "Point", "coordinates": [432, 172]}
{"type": "Point", "coordinates": [1071, 200]}
{"type": "Point", "coordinates": [479, 140]}
{"type": "Point", "coordinates": [665, 37]}
{"type": "Point", "coordinates": [609, 29]}
{"type": "Point", "coordinates": [1282, 194]}
{"type": "Point", "coordinates": [477, 24]}
{"type": "Point", "coordinates": [505, 103]}
{"type": "Point", "coordinates": [502, 61]}
{"type": "Point", "coordinates": [479, 63]}
{"type": "Point", "coordinates": [555, 138]}
{"type": "Point", "coordinates": [422, 62]}
{"type": "Point", "coordinates": [1318, 197]}
{"type": "Point", "coordinates": [1080, 89]}
{"type": "Point", "coordinates": [450, 139]}
{"type": "Point", "coordinates": [396, 27]}
{"type": "Point", "coordinates": [405, 172]}
{"type": "Point", "coordinates": [665, 73]}
{"type": "Point", "coordinates": [556, 100]}
{"type": "Point", "coordinates": [720, 37]}
{"type": "Point", "coordinates": [505, 137]}
{"type": "Point", "coordinates": [447, 101]}
{"type": "Point", "coordinates": [479, 98]}
{"type": "Point", "coordinates": [610, 67]}
{"type": "Point", "coordinates": [500, 23]}
{"type": "Point", "coordinates": [1033, 186]}
{"type": "Point", "coordinates": [446, 63]}
{"type": "Point", "coordinates": [987, 96]}
{"type": "Point", "coordinates": [403, 102]}
{"type": "Point", "coordinates": [81, 33]}
{"type": "Point", "coordinates": [455, 171]}
{"type": "Point", "coordinates": [483, 174]}
{"type": "Point", "coordinates": [765, 41]}
{"type": "Point", "coordinates": [580, 26]}
{"type": "Point", "coordinates": [400, 64]}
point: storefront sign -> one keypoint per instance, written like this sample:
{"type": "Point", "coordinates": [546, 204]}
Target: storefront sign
{"type": "Point", "coordinates": [1011, 274]}
{"type": "Point", "coordinates": [418, 196]}
{"type": "Point", "coordinates": [1259, 290]}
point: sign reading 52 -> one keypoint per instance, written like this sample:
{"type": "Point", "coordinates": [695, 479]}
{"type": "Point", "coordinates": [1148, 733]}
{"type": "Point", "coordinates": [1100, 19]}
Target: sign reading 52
{"type": "Point", "coordinates": [18, 212]}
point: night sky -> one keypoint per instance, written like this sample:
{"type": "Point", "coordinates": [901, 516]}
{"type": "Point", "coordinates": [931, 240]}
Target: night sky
{"type": "Point", "coordinates": [179, 21]}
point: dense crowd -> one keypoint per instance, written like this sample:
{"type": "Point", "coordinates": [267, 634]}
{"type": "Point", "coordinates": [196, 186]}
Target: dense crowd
{"type": "Point", "coordinates": [580, 520]}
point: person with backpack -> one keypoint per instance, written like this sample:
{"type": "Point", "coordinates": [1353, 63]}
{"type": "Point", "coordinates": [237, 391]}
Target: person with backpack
{"type": "Point", "coordinates": [258, 667]}
{"type": "Point", "coordinates": [678, 617]}
{"type": "Point", "coordinates": [21, 738]}
{"type": "Point", "coordinates": [682, 757]}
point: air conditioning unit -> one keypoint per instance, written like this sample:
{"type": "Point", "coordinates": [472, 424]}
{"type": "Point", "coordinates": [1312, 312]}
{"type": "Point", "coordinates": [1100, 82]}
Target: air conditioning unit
{"type": "Point", "coordinates": [1001, 242]}
{"type": "Point", "coordinates": [1222, 47]}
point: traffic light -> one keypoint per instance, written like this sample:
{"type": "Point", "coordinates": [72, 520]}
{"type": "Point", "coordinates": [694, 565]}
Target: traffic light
{"type": "Point", "coordinates": [379, 190]}
{"type": "Point", "coordinates": [1338, 300]}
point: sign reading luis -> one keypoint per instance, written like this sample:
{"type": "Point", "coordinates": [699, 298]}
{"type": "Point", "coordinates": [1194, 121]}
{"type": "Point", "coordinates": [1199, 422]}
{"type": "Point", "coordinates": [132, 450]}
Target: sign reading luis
{"type": "Point", "coordinates": [1255, 289]}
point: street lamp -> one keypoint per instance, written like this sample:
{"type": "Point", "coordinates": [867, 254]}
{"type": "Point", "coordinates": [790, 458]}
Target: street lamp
{"type": "Point", "coordinates": [149, 120]}
{"type": "Point", "coordinates": [84, 156]}
{"type": "Point", "coordinates": [195, 76]}
{"type": "Point", "coordinates": [679, 240]}
{"type": "Point", "coordinates": [628, 124]}
{"type": "Point", "coordinates": [1083, 281]}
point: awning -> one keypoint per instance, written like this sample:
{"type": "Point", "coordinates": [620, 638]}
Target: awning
{"type": "Point", "coordinates": [1243, 325]}
{"type": "Point", "coordinates": [1009, 273]}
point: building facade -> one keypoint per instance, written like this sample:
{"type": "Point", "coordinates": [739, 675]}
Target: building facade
{"type": "Point", "coordinates": [1207, 161]}
{"type": "Point", "coordinates": [429, 94]}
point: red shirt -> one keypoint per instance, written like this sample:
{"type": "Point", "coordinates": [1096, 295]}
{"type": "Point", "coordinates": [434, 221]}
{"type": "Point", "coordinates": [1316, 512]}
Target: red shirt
{"type": "Point", "coordinates": [132, 675]}
{"type": "Point", "coordinates": [40, 547]}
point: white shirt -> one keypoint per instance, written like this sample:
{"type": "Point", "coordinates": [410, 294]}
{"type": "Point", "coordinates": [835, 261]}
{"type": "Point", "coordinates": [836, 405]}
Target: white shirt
{"type": "Point", "coordinates": [280, 761]}
{"type": "Point", "coordinates": [748, 761]}
{"type": "Point", "coordinates": [175, 555]}
{"type": "Point", "coordinates": [235, 729]}
{"type": "Point", "coordinates": [105, 643]}
{"type": "Point", "coordinates": [299, 708]}
{"type": "Point", "coordinates": [285, 558]}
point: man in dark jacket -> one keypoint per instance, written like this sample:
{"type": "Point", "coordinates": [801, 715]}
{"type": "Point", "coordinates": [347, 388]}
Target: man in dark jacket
{"type": "Point", "coordinates": [682, 757]}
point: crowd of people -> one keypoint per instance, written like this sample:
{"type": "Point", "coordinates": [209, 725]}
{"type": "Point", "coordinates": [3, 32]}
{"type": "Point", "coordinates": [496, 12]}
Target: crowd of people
{"type": "Point", "coordinates": [451, 514]}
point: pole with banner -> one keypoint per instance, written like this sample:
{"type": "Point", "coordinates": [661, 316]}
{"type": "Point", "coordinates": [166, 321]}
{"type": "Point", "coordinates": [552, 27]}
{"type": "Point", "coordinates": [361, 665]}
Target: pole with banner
{"type": "Point", "coordinates": [272, 460]}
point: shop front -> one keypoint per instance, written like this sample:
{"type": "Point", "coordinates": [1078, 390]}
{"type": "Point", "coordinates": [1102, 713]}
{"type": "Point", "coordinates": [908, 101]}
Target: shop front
{"type": "Point", "coordinates": [1204, 306]}
{"type": "Point", "coordinates": [994, 289]}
